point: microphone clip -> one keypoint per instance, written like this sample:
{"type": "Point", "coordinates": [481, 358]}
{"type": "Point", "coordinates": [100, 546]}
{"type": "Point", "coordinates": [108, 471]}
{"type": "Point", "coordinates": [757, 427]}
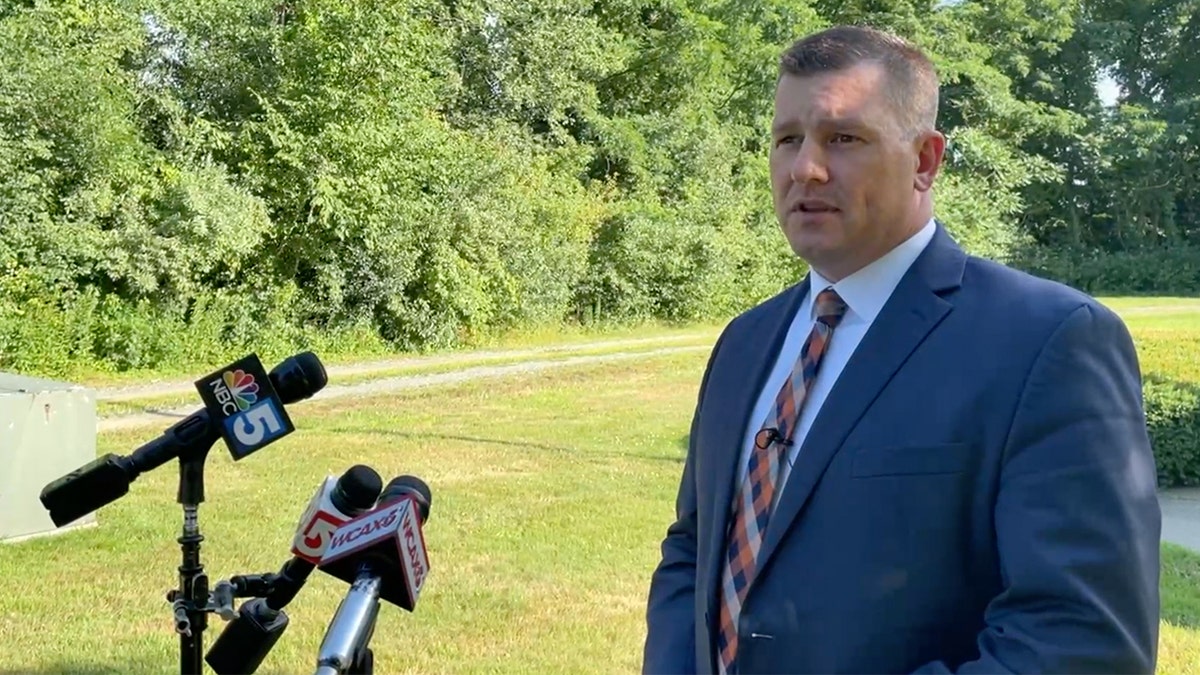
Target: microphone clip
{"type": "Point", "coordinates": [253, 585]}
{"type": "Point", "coordinates": [219, 602]}
{"type": "Point", "coordinates": [765, 437]}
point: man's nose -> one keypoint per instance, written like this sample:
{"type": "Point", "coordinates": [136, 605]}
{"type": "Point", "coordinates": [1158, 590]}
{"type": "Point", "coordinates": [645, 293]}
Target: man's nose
{"type": "Point", "coordinates": [809, 164]}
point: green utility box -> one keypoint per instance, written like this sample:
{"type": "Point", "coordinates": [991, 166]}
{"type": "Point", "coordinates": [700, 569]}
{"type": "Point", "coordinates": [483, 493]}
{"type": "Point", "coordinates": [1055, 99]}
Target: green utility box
{"type": "Point", "coordinates": [47, 429]}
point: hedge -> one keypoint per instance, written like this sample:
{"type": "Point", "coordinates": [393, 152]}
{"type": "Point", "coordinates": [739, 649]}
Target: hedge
{"type": "Point", "coordinates": [1173, 418]}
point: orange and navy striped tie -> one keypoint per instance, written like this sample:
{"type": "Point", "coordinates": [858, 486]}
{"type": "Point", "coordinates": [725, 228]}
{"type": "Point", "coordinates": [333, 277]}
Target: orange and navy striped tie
{"type": "Point", "coordinates": [753, 501]}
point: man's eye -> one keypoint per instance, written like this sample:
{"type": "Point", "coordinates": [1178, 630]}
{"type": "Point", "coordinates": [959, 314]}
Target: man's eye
{"type": "Point", "coordinates": [844, 138]}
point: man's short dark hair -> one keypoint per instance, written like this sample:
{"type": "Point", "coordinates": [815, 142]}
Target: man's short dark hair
{"type": "Point", "coordinates": [912, 76]}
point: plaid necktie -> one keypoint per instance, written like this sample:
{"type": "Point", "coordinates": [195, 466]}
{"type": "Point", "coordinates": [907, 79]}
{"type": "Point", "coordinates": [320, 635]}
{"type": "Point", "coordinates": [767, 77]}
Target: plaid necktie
{"type": "Point", "coordinates": [753, 502]}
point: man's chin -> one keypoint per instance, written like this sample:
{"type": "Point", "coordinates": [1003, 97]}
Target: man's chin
{"type": "Point", "coordinates": [823, 253]}
{"type": "Point", "coordinates": [813, 236]}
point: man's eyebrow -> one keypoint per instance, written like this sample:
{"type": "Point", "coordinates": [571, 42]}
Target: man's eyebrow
{"type": "Point", "coordinates": [853, 121]}
{"type": "Point", "coordinates": [850, 122]}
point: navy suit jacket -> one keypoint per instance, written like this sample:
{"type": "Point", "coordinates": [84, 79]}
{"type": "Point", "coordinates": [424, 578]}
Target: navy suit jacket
{"type": "Point", "coordinates": [976, 495]}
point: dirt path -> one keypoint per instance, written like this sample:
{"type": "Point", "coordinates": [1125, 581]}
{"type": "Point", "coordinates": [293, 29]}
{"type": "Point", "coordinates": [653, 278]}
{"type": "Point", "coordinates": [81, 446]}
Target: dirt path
{"type": "Point", "coordinates": [154, 389]}
{"type": "Point", "coordinates": [133, 392]}
{"type": "Point", "coordinates": [165, 418]}
{"type": "Point", "coordinates": [1181, 516]}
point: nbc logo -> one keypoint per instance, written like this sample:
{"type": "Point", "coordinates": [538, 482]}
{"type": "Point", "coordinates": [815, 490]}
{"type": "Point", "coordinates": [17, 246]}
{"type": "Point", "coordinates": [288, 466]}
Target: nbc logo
{"type": "Point", "coordinates": [242, 388]}
{"type": "Point", "coordinates": [241, 399]}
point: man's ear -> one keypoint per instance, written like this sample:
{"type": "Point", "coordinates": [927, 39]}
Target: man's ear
{"type": "Point", "coordinates": [931, 149]}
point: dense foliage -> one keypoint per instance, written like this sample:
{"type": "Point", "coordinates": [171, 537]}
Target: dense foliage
{"type": "Point", "coordinates": [184, 182]}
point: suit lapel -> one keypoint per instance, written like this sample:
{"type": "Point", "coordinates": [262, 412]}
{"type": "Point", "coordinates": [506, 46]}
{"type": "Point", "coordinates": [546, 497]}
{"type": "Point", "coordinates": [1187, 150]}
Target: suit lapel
{"type": "Point", "coordinates": [758, 355]}
{"type": "Point", "coordinates": [913, 310]}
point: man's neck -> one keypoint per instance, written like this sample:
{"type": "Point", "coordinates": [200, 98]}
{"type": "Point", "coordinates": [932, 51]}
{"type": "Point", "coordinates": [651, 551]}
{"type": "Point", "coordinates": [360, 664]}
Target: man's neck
{"type": "Point", "coordinates": [836, 273]}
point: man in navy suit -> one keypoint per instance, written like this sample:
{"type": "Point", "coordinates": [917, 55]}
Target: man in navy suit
{"type": "Point", "coordinates": [914, 460]}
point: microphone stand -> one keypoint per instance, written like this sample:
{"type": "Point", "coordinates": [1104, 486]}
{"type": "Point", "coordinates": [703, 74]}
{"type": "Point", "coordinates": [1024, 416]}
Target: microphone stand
{"type": "Point", "coordinates": [345, 649]}
{"type": "Point", "coordinates": [364, 663]}
{"type": "Point", "coordinates": [191, 601]}
{"type": "Point", "coordinates": [364, 658]}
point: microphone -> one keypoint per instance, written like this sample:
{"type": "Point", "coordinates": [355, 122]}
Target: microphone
{"type": "Point", "coordinates": [230, 395]}
{"type": "Point", "coordinates": [765, 437]}
{"type": "Point", "coordinates": [332, 506]}
{"type": "Point", "coordinates": [260, 622]}
{"type": "Point", "coordinates": [382, 555]}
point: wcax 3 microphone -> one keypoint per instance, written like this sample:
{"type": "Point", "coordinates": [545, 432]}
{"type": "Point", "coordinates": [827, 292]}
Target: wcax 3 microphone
{"type": "Point", "coordinates": [246, 641]}
{"type": "Point", "coordinates": [382, 555]}
{"type": "Point", "coordinates": [251, 416]}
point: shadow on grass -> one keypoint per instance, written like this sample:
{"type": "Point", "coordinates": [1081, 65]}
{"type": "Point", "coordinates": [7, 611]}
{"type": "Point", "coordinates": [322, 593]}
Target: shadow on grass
{"type": "Point", "coordinates": [81, 668]}
{"type": "Point", "coordinates": [76, 668]}
{"type": "Point", "coordinates": [515, 443]}
{"type": "Point", "coordinates": [1172, 416]}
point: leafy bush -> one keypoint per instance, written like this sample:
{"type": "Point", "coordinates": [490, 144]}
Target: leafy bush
{"type": "Point", "coordinates": [184, 182]}
{"type": "Point", "coordinates": [1165, 271]}
{"type": "Point", "coordinates": [1173, 417]}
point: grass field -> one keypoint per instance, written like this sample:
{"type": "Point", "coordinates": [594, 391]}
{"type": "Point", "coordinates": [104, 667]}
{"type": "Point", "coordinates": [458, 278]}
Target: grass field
{"type": "Point", "coordinates": [551, 494]}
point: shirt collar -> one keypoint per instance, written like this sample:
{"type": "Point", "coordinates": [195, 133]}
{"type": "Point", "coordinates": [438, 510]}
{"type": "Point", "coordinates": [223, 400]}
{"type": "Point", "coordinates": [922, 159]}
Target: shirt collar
{"type": "Point", "coordinates": [866, 291]}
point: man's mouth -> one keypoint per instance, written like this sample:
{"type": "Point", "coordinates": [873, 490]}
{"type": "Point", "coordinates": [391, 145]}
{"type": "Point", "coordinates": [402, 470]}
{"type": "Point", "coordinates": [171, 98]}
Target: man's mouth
{"type": "Point", "coordinates": [814, 206]}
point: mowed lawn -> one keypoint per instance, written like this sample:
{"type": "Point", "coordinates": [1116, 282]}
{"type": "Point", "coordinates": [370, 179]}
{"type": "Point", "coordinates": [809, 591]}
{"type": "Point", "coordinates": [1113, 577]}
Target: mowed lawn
{"type": "Point", "coordinates": [551, 493]}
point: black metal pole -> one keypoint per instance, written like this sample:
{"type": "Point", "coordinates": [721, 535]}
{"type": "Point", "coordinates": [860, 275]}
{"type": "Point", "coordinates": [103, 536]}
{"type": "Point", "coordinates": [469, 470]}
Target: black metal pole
{"type": "Point", "coordinates": [191, 601]}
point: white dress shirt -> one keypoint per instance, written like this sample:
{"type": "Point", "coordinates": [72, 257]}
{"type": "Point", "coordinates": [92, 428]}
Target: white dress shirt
{"type": "Point", "coordinates": [865, 292]}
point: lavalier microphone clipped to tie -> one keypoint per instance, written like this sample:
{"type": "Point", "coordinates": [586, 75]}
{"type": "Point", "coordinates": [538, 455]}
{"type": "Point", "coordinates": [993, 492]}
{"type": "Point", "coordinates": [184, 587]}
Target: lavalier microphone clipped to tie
{"type": "Point", "coordinates": [765, 437]}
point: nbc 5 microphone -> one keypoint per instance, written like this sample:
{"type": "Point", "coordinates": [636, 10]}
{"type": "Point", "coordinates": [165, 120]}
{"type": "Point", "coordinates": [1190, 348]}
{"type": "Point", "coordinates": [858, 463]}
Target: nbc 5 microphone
{"type": "Point", "coordinates": [382, 555]}
{"type": "Point", "coordinates": [260, 622]}
{"type": "Point", "coordinates": [243, 404]}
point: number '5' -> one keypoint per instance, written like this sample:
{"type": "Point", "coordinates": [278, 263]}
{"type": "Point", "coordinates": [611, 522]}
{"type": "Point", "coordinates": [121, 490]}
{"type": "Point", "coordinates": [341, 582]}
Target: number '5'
{"type": "Point", "coordinates": [316, 539]}
{"type": "Point", "coordinates": [253, 425]}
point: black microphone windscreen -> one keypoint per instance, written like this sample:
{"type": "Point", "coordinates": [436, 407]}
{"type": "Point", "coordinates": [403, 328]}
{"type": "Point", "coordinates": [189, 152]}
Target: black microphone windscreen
{"type": "Point", "coordinates": [91, 486]}
{"type": "Point", "coordinates": [299, 377]}
{"type": "Point", "coordinates": [409, 485]}
{"type": "Point", "coordinates": [356, 490]}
